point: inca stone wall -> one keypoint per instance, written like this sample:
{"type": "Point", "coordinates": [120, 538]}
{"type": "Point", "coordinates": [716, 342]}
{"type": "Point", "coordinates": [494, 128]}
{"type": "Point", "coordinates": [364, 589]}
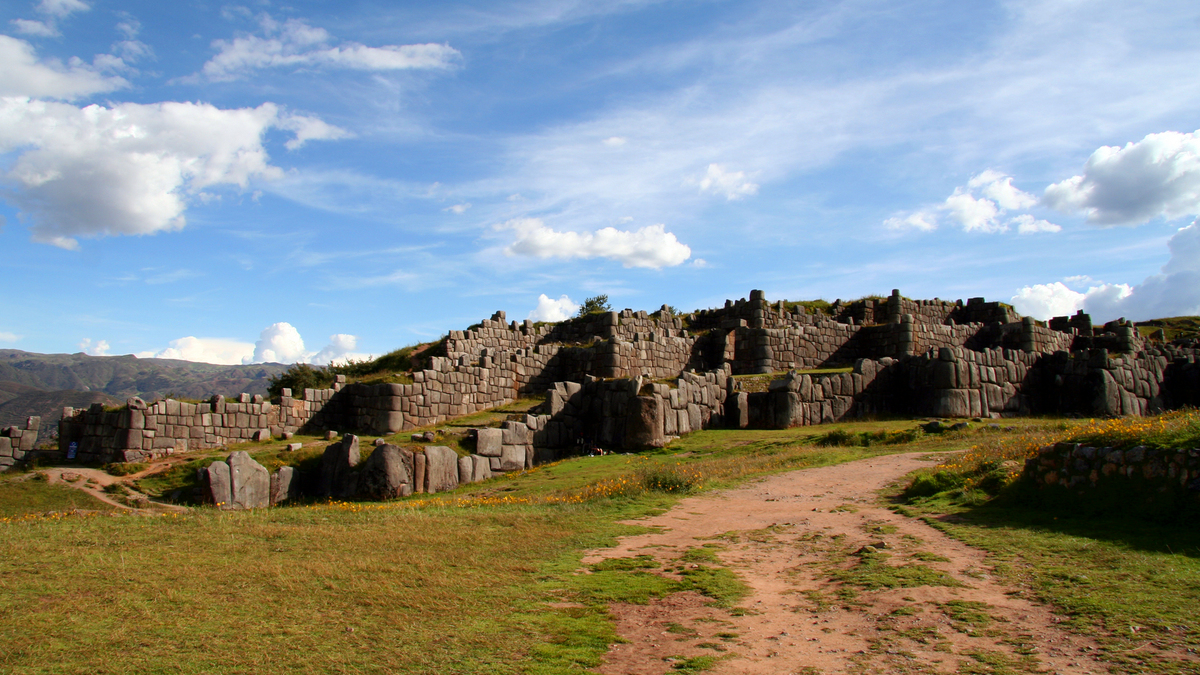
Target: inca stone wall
{"type": "Point", "coordinates": [1161, 481]}
{"type": "Point", "coordinates": [16, 443]}
{"type": "Point", "coordinates": [1002, 365]}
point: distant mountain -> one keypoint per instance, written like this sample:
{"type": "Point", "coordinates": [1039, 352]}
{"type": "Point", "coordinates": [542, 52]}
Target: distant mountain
{"type": "Point", "coordinates": [43, 384]}
{"type": "Point", "coordinates": [125, 376]}
{"type": "Point", "coordinates": [48, 405]}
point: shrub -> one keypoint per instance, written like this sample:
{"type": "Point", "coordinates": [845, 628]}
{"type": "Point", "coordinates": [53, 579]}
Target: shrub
{"type": "Point", "coordinates": [299, 377]}
{"type": "Point", "coordinates": [930, 484]}
{"type": "Point", "coordinates": [124, 468]}
{"type": "Point", "coordinates": [669, 478]}
{"type": "Point", "coordinates": [597, 304]}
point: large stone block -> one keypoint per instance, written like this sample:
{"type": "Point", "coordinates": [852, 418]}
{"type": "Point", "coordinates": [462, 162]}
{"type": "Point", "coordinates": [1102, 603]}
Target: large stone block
{"type": "Point", "coordinates": [516, 433]}
{"type": "Point", "coordinates": [488, 442]}
{"type": "Point", "coordinates": [441, 469]}
{"type": "Point", "coordinates": [644, 425]}
{"type": "Point", "coordinates": [481, 468]}
{"type": "Point", "coordinates": [220, 489]}
{"type": "Point", "coordinates": [950, 403]}
{"type": "Point", "coordinates": [250, 481]}
{"type": "Point", "coordinates": [465, 468]}
{"type": "Point", "coordinates": [512, 457]}
{"type": "Point", "coordinates": [337, 480]}
{"type": "Point", "coordinates": [386, 474]}
{"type": "Point", "coordinates": [284, 486]}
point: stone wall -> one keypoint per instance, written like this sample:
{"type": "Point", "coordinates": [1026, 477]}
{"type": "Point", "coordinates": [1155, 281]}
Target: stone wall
{"type": "Point", "coordinates": [1162, 481]}
{"type": "Point", "coordinates": [495, 362]}
{"type": "Point", "coordinates": [16, 443]}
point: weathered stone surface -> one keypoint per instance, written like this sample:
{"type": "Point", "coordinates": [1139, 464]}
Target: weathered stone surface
{"type": "Point", "coordinates": [465, 469]}
{"type": "Point", "coordinates": [512, 457]}
{"type": "Point", "coordinates": [386, 474]}
{"type": "Point", "coordinates": [251, 483]}
{"type": "Point", "coordinates": [441, 468]}
{"type": "Point", "coordinates": [337, 481]}
{"type": "Point", "coordinates": [419, 472]}
{"type": "Point", "coordinates": [644, 425]}
{"type": "Point", "coordinates": [951, 403]}
{"type": "Point", "coordinates": [292, 447]}
{"type": "Point", "coordinates": [284, 486]}
{"type": "Point", "coordinates": [488, 442]}
{"type": "Point", "coordinates": [220, 489]}
{"type": "Point", "coordinates": [262, 435]}
{"type": "Point", "coordinates": [481, 468]}
{"type": "Point", "coordinates": [516, 433]}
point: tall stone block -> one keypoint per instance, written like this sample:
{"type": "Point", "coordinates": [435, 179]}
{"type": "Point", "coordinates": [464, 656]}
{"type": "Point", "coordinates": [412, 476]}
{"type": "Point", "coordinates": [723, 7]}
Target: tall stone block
{"type": "Point", "coordinates": [250, 481]}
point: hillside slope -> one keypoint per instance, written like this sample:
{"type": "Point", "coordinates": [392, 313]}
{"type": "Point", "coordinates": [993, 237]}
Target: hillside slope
{"type": "Point", "coordinates": [125, 376]}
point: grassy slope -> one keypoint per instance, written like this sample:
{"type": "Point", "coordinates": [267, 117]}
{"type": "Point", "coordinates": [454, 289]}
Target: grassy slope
{"type": "Point", "coordinates": [460, 582]}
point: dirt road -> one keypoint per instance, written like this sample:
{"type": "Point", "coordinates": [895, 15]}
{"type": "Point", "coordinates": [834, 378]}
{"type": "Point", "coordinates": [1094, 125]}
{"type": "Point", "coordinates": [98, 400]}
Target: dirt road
{"type": "Point", "coordinates": [838, 584]}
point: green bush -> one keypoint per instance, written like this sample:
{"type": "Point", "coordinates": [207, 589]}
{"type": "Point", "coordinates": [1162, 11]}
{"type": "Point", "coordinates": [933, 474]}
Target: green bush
{"type": "Point", "coordinates": [124, 468]}
{"type": "Point", "coordinates": [597, 304]}
{"type": "Point", "coordinates": [930, 484]}
{"type": "Point", "coordinates": [299, 377]}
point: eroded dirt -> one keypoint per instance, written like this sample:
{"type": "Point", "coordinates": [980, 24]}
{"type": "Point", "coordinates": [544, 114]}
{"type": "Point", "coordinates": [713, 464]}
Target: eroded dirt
{"type": "Point", "coordinates": [789, 537]}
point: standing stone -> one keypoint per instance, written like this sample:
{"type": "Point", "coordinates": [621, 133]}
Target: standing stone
{"type": "Point", "coordinates": [481, 468]}
{"type": "Point", "coordinates": [644, 425]}
{"type": "Point", "coordinates": [419, 472]}
{"type": "Point", "coordinates": [441, 469]}
{"type": "Point", "coordinates": [250, 481]}
{"type": "Point", "coordinates": [465, 469]}
{"type": "Point", "coordinates": [219, 486]}
{"type": "Point", "coordinates": [386, 473]}
{"type": "Point", "coordinates": [284, 486]}
{"type": "Point", "coordinates": [338, 460]}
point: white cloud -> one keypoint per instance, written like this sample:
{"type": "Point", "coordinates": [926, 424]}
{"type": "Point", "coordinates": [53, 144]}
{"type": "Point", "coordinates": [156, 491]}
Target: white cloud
{"type": "Point", "coordinates": [458, 209]}
{"type": "Point", "coordinates": [6, 336]}
{"type": "Point", "coordinates": [1027, 224]}
{"type": "Point", "coordinates": [732, 184]}
{"type": "Point", "coordinates": [650, 246]}
{"type": "Point", "coordinates": [98, 348]}
{"type": "Point", "coordinates": [1043, 301]}
{"type": "Point", "coordinates": [553, 310]}
{"type": "Point", "coordinates": [279, 343]}
{"type": "Point", "coordinates": [310, 129]}
{"type": "Point", "coordinates": [131, 168]}
{"type": "Point", "coordinates": [223, 351]}
{"type": "Point", "coordinates": [296, 44]}
{"type": "Point", "coordinates": [1173, 292]}
{"type": "Point", "coordinates": [1157, 176]}
{"type": "Point", "coordinates": [339, 350]}
{"type": "Point", "coordinates": [615, 141]}
{"type": "Point", "coordinates": [37, 28]}
{"type": "Point", "coordinates": [700, 262]}
{"type": "Point", "coordinates": [22, 74]}
{"type": "Point", "coordinates": [62, 8]}
{"type": "Point", "coordinates": [924, 221]}
{"type": "Point", "coordinates": [978, 213]}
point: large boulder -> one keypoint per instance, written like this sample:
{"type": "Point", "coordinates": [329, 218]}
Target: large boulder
{"type": "Point", "coordinates": [386, 474]}
{"type": "Point", "coordinates": [644, 425]}
{"type": "Point", "coordinates": [250, 481]}
{"type": "Point", "coordinates": [441, 469]}
{"type": "Point", "coordinates": [284, 485]}
{"type": "Point", "coordinates": [512, 457]}
{"type": "Point", "coordinates": [337, 480]}
{"type": "Point", "coordinates": [219, 487]}
{"type": "Point", "coordinates": [488, 442]}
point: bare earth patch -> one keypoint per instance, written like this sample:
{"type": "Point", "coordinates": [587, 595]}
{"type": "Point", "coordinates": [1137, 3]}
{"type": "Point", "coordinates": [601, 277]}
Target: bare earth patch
{"type": "Point", "coordinates": [838, 585]}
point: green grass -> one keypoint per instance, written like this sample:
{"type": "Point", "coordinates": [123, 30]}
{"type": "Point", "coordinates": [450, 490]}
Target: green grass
{"type": "Point", "coordinates": [1130, 584]}
{"type": "Point", "coordinates": [23, 497]}
{"type": "Point", "coordinates": [873, 572]}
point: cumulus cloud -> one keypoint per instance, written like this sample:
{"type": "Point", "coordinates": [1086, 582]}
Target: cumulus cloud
{"type": "Point", "coordinates": [339, 350]}
{"type": "Point", "coordinates": [732, 184]}
{"type": "Point", "coordinates": [296, 44]}
{"type": "Point", "coordinates": [132, 168]}
{"type": "Point", "coordinates": [650, 246]}
{"type": "Point", "coordinates": [23, 74]}
{"type": "Point", "coordinates": [1157, 176]}
{"type": "Point", "coordinates": [308, 128]}
{"type": "Point", "coordinates": [7, 336]}
{"type": "Point", "coordinates": [279, 343]}
{"type": "Point", "coordinates": [615, 141]}
{"type": "Point", "coordinates": [1175, 291]}
{"type": "Point", "coordinates": [458, 209]}
{"type": "Point", "coordinates": [53, 10]}
{"type": "Point", "coordinates": [98, 348]}
{"type": "Point", "coordinates": [35, 28]}
{"type": "Point", "coordinates": [553, 310]}
{"type": "Point", "coordinates": [62, 8]}
{"type": "Point", "coordinates": [223, 351]}
{"type": "Point", "coordinates": [979, 206]}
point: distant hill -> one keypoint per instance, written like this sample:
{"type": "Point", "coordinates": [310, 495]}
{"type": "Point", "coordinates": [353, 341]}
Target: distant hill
{"type": "Point", "coordinates": [43, 384]}
{"type": "Point", "coordinates": [48, 405]}
{"type": "Point", "coordinates": [125, 376]}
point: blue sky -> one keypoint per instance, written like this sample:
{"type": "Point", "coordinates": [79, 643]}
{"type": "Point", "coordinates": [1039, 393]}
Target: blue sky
{"type": "Point", "coordinates": [311, 181]}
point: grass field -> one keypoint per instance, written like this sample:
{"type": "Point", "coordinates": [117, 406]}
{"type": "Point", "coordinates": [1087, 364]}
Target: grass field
{"type": "Point", "coordinates": [487, 579]}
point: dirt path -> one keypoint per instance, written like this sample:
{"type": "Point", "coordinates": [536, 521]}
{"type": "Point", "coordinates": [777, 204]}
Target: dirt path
{"type": "Point", "coordinates": [788, 537]}
{"type": "Point", "coordinates": [93, 482]}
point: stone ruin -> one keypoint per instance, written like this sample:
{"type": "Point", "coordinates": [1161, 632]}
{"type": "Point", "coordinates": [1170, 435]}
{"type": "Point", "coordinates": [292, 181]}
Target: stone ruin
{"type": "Point", "coordinates": [623, 380]}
